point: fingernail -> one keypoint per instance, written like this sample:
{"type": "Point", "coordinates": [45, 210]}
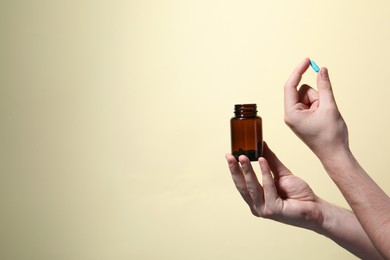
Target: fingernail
{"type": "Point", "coordinates": [324, 73]}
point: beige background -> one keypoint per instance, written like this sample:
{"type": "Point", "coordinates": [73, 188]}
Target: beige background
{"type": "Point", "coordinates": [115, 121]}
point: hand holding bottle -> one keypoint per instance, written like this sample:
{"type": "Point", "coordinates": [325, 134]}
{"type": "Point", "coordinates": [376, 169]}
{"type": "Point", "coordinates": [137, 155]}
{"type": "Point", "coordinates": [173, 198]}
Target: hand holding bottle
{"type": "Point", "coordinates": [282, 196]}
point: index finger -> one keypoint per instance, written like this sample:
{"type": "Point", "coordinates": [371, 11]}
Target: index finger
{"type": "Point", "coordinates": [277, 167]}
{"type": "Point", "coordinates": [291, 96]}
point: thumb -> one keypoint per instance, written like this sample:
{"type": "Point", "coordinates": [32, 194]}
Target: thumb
{"type": "Point", "coordinates": [277, 167]}
{"type": "Point", "coordinates": [325, 87]}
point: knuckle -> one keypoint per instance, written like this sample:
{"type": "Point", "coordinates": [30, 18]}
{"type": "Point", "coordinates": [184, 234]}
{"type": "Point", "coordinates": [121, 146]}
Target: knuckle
{"type": "Point", "coordinates": [251, 190]}
{"type": "Point", "coordinates": [287, 120]}
{"type": "Point", "coordinates": [267, 212]}
{"type": "Point", "coordinates": [326, 85]}
{"type": "Point", "coordinates": [255, 213]}
{"type": "Point", "coordinates": [242, 189]}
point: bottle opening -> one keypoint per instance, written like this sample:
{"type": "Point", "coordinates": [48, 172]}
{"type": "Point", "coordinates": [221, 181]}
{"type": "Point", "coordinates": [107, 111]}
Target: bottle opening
{"type": "Point", "coordinates": [245, 110]}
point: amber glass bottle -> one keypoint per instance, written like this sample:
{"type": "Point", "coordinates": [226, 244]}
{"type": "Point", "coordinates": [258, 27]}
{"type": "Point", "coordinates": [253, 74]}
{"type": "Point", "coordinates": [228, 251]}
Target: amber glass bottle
{"type": "Point", "coordinates": [246, 132]}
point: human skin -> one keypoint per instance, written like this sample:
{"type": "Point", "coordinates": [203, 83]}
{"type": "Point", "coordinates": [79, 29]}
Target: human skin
{"type": "Point", "coordinates": [314, 117]}
{"type": "Point", "coordinates": [286, 198]}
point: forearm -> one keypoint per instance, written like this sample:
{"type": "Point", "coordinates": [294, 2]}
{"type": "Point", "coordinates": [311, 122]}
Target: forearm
{"type": "Point", "coordinates": [369, 202]}
{"type": "Point", "coordinates": [342, 226]}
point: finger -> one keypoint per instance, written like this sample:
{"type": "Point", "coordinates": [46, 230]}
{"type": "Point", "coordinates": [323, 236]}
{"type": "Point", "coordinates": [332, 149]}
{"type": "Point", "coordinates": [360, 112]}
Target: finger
{"type": "Point", "coordinates": [270, 192]}
{"type": "Point", "coordinates": [291, 96]}
{"type": "Point", "coordinates": [307, 95]}
{"type": "Point", "coordinates": [254, 188]}
{"type": "Point", "coordinates": [277, 167]}
{"type": "Point", "coordinates": [325, 87]}
{"type": "Point", "coordinates": [238, 179]}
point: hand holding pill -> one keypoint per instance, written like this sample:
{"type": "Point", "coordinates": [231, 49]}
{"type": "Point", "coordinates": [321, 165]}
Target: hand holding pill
{"type": "Point", "coordinates": [312, 113]}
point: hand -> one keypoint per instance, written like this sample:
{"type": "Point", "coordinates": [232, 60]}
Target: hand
{"type": "Point", "coordinates": [313, 115]}
{"type": "Point", "coordinates": [282, 197]}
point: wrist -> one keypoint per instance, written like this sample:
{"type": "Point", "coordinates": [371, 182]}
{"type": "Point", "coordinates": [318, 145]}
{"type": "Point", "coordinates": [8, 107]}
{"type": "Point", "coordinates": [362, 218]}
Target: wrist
{"type": "Point", "coordinates": [331, 215]}
{"type": "Point", "coordinates": [319, 219]}
{"type": "Point", "coordinates": [324, 223]}
{"type": "Point", "coordinates": [336, 160]}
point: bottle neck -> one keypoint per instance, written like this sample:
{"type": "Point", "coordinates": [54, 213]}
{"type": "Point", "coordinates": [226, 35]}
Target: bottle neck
{"type": "Point", "coordinates": [245, 110]}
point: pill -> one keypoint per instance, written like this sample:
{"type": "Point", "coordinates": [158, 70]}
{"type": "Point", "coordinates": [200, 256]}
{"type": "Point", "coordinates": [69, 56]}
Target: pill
{"type": "Point", "coordinates": [314, 66]}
